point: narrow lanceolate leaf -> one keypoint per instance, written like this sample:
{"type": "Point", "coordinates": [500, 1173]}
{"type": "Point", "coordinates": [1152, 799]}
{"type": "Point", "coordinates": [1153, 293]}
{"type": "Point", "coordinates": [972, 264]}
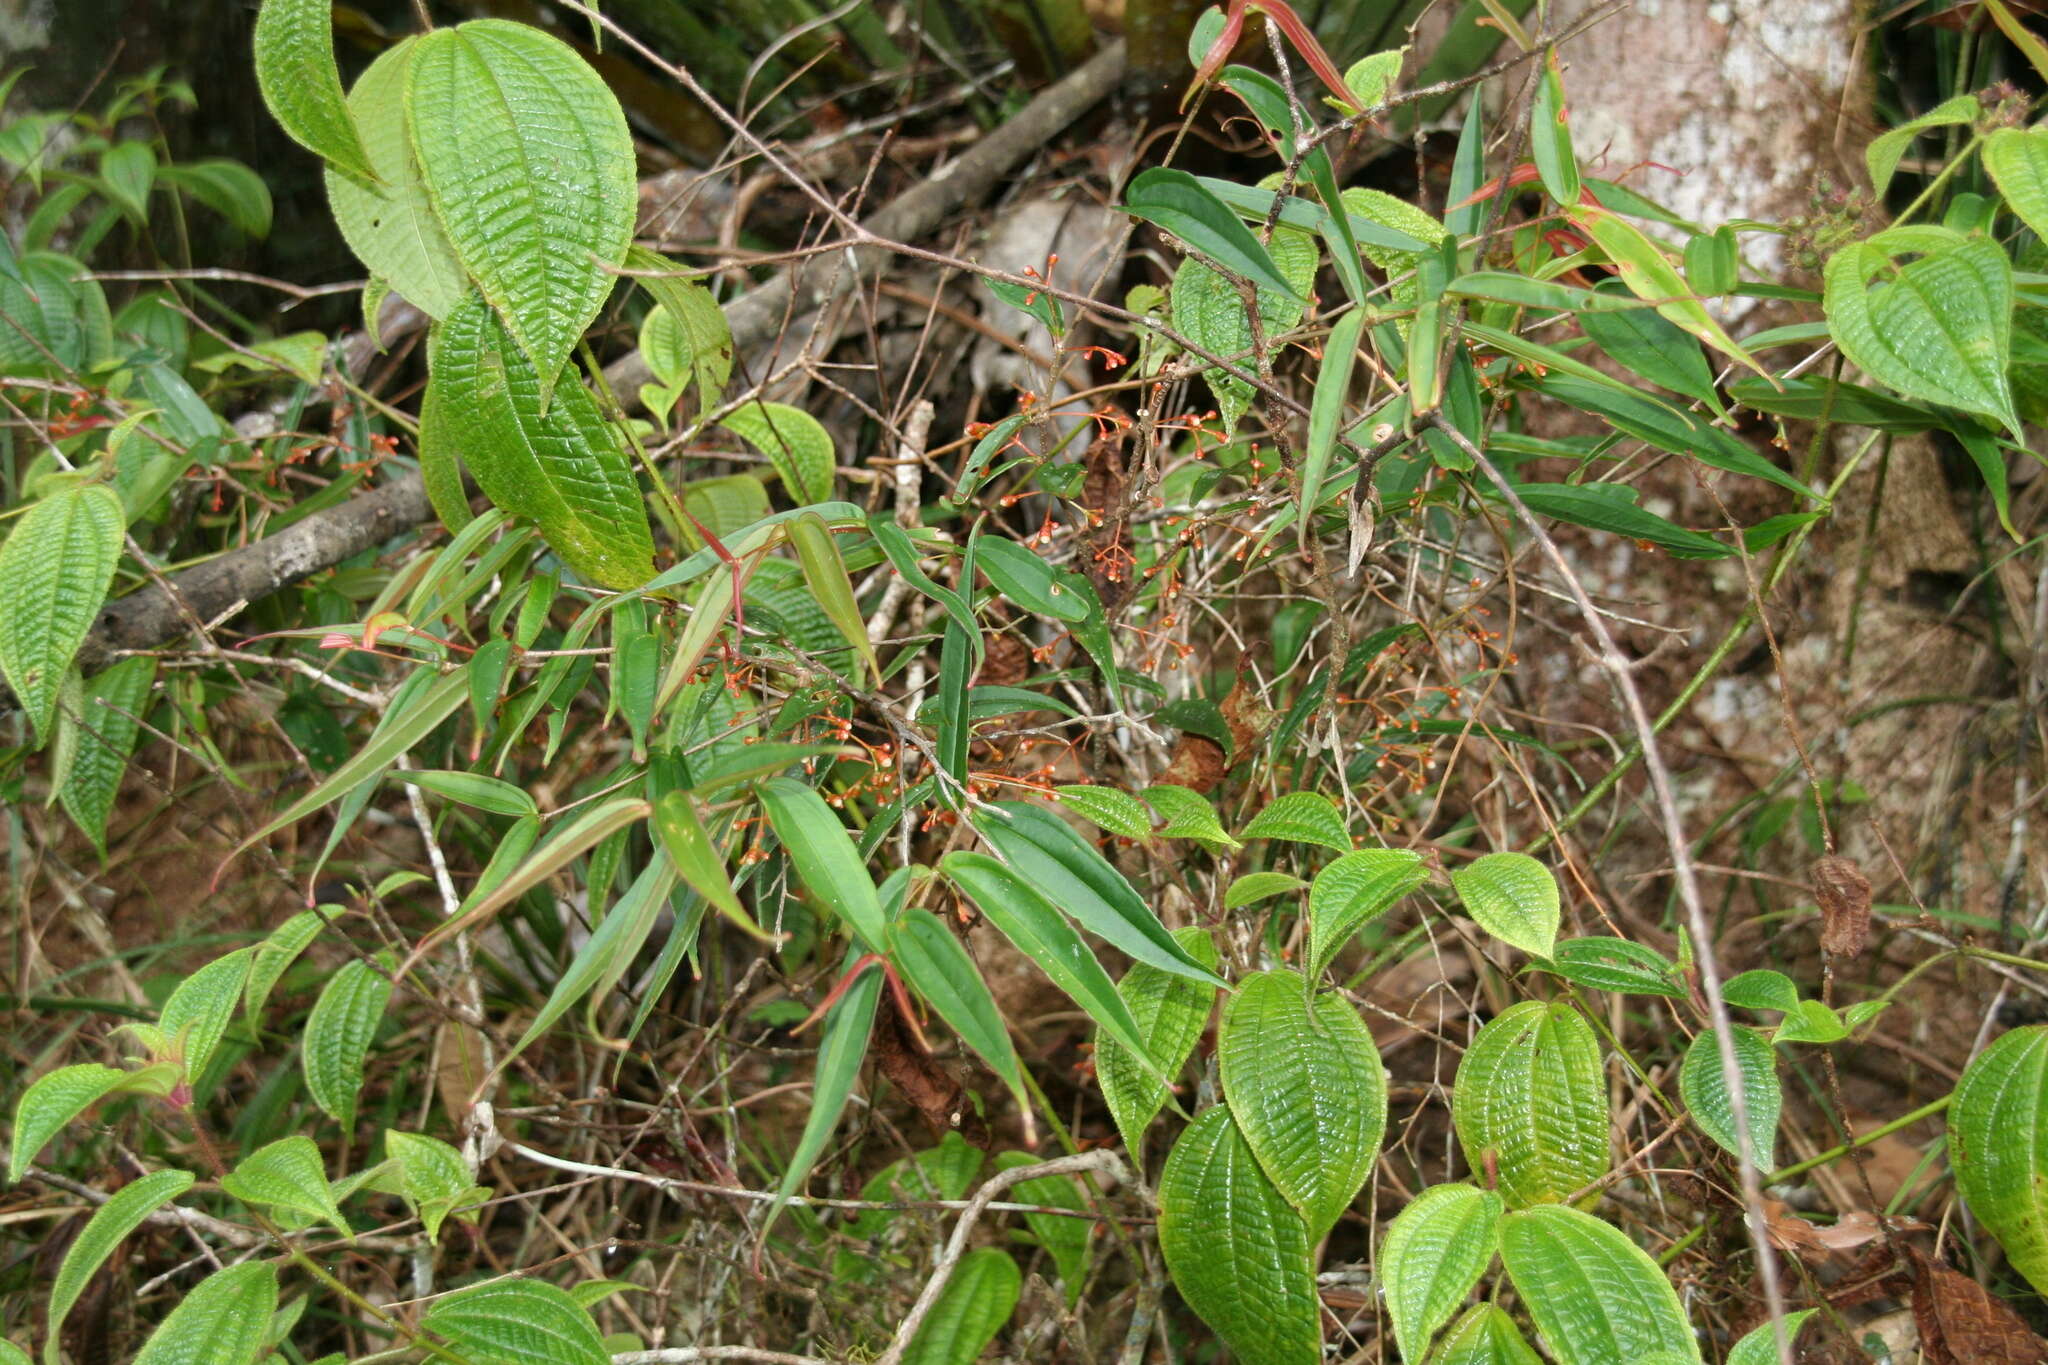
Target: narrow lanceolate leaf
{"type": "Point", "coordinates": [795, 443]}
{"type": "Point", "coordinates": [840, 1054]}
{"type": "Point", "coordinates": [199, 1011]}
{"type": "Point", "coordinates": [1116, 811]}
{"type": "Point", "coordinates": [1351, 893]}
{"type": "Point", "coordinates": [1238, 1251]}
{"type": "Point", "coordinates": [1938, 328]}
{"type": "Point", "coordinates": [825, 575]}
{"type": "Point", "coordinates": [1436, 1250]}
{"type": "Point", "coordinates": [1310, 1095]}
{"type": "Point", "coordinates": [1530, 1093]}
{"type": "Point", "coordinates": [1326, 414]}
{"type": "Point", "coordinates": [110, 1223]}
{"type": "Point", "coordinates": [1651, 277]}
{"type": "Point", "coordinates": [287, 1175]}
{"type": "Point", "coordinates": [558, 464]}
{"type": "Point", "coordinates": [1596, 1297]}
{"type": "Point", "coordinates": [1998, 1144]}
{"type": "Point", "coordinates": [296, 72]}
{"type": "Point", "coordinates": [1301, 818]}
{"type": "Point", "coordinates": [224, 1320]}
{"type": "Point", "coordinates": [1485, 1336]}
{"type": "Point", "coordinates": [1171, 1012]}
{"type": "Point", "coordinates": [518, 1322]}
{"type": "Point", "coordinates": [1071, 873]}
{"type": "Point", "coordinates": [609, 950]}
{"type": "Point", "coordinates": [1042, 934]}
{"type": "Point", "coordinates": [563, 847]}
{"type": "Point", "coordinates": [977, 1301]}
{"type": "Point", "coordinates": [1550, 138]}
{"type": "Point", "coordinates": [2018, 160]}
{"type": "Point", "coordinates": [1514, 898]}
{"type": "Point", "coordinates": [1254, 887]}
{"type": "Point", "coordinates": [938, 968]}
{"type": "Point", "coordinates": [529, 164]}
{"type": "Point", "coordinates": [109, 718]}
{"type": "Point", "coordinates": [1181, 204]}
{"type": "Point", "coordinates": [824, 856]}
{"type": "Point", "coordinates": [390, 224]}
{"type": "Point", "coordinates": [338, 1035]}
{"type": "Point", "coordinates": [1704, 1087]}
{"type": "Point", "coordinates": [698, 861]}
{"type": "Point", "coordinates": [1020, 575]}
{"type": "Point", "coordinates": [57, 563]}
{"type": "Point", "coordinates": [53, 1101]}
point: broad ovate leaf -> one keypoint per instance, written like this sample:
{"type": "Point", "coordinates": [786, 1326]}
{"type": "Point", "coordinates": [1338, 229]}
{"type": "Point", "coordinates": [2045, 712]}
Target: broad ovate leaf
{"type": "Point", "coordinates": [1302, 1076]}
{"type": "Point", "coordinates": [1352, 892]}
{"type": "Point", "coordinates": [1171, 1012]}
{"type": "Point", "coordinates": [2018, 160]}
{"type": "Point", "coordinates": [295, 71]}
{"type": "Point", "coordinates": [57, 564]}
{"type": "Point", "coordinates": [1759, 1345]}
{"type": "Point", "coordinates": [1704, 1085]}
{"type": "Point", "coordinates": [1530, 1092]}
{"type": "Point", "coordinates": [1596, 1297]}
{"type": "Point", "coordinates": [1434, 1253]}
{"type": "Point", "coordinates": [557, 463]}
{"type": "Point", "coordinates": [795, 443]}
{"type": "Point", "coordinates": [1998, 1145]}
{"type": "Point", "coordinates": [109, 718]}
{"type": "Point", "coordinates": [55, 1099]}
{"type": "Point", "coordinates": [202, 1006]}
{"type": "Point", "coordinates": [528, 162]}
{"type": "Point", "coordinates": [1938, 327]}
{"type": "Point", "coordinates": [1514, 898]}
{"type": "Point", "coordinates": [110, 1223]}
{"type": "Point", "coordinates": [287, 1176]}
{"type": "Point", "coordinates": [338, 1035]}
{"type": "Point", "coordinates": [1484, 1336]}
{"type": "Point", "coordinates": [223, 1320]}
{"type": "Point", "coordinates": [432, 1178]}
{"type": "Point", "coordinates": [518, 1322]}
{"type": "Point", "coordinates": [1237, 1250]}
{"type": "Point", "coordinates": [389, 223]}
{"type": "Point", "coordinates": [1302, 818]}
{"type": "Point", "coordinates": [1208, 310]}
{"type": "Point", "coordinates": [1116, 811]}
{"type": "Point", "coordinates": [976, 1303]}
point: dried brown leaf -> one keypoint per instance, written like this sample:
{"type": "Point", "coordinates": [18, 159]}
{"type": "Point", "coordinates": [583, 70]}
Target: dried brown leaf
{"type": "Point", "coordinates": [1844, 895]}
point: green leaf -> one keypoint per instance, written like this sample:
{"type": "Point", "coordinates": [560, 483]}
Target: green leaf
{"type": "Point", "coordinates": [700, 863]}
{"type": "Point", "coordinates": [1238, 1251]}
{"type": "Point", "coordinates": [1938, 328]}
{"type": "Point", "coordinates": [432, 1177]}
{"type": "Point", "coordinates": [1070, 872]}
{"type": "Point", "coordinates": [1514, 898]}
{"type": "Point", "coordinates": [200, 1009]}
{"type": "Point", "coordinates": [1434, 1253]}
{"type": "Point", "coordinates": [1653, 347]}
{"type": "Point", "coordinates": [1188, 815]}
{"type": "Point", "coordinates": [110, 1223]}
{"type": "Point", "coordinates": [1596, 1297]}
{"type": "Point", "coordinates": [1759, 1346]}
{"type": "Point", "coordinates": [1116, 811]}
{"type": "Point", "coordinates": [518, 1322]}
{"type": "Point", "coordinates": [1615, 964]}
{"type": "Point", "coordinates": [1026, 579]}
{"type": "Point", "coordinates": [1705, 1091]}
{"type": "Point", "coordinates": [1254, 887]}
{"type": "Point", "coordinates": [227, 187]}
{"type": "Point", "coordinates": [1209, 311]}
{"type": "Point", "coordinates": [52, 1101]}
{"type": "Point", "coordinates": [938, 968]}
{"type": "Point", "coordinates": [1998, 1145]}
{"type": "Point", "coordinates": [1644, 268]}
{"type": "Point", "coordinates": [57, 564]}
{"type": "Point", "coordinates": [794, 442]}
{"type": "Point", "coordinates": [56, 321]}
{"type": "Point", "coordinates": [1305, 1082]}
{"type": "Point", "coordinates": [492, 794]}
{"type": "Point", "coordinates": [338, 1035]}
{"type": "Point", "coordinates": [109, 719]}
{"type": "Point", "coordinates": [2018, 160]}
{"type": "Point", "coordinates": [1302, 818]}
{"type": "Point", "coordinates": [529, 164]}
{"type": "Point", "coordinates": [274, 955]}
{"type": "Point", "coordinates": [127, 170]}
{"type": "Point", "coordinates": [1176, 201]}
{"type": "Point", "coordinates": [824, 856]}
{"type": "Point", "coordinates": [222, 1320]}
{"type": "Point", "coordinates": [390, 225]}
{"type": "Point", "coordinates": [1066, 1239]}
{"type": "Point", "coordinates": [1326, 412]}
{"type": "Point", "coordinates": [610, 949]}
{"type": "Point", "coordinates": [825, 574]}
{"type": "Point", "coordinates": [287, 1174]}
{"type": "Point", "coordinates": [295, 71]}
{"type": "Point", "coordinates": [976, 1303]}
{"type": "Point", "coordinates": [1761, 989]}
{"type": "Point", "coordinates": [1612, 507]}
{"type": "Point", "coordinates": [686, 337]}
{"type": "Point", "coordinates": [559, 465]}
{"type": "Point", "coordinates": [1485, 1336]}
{"type": "Point", "coordinates": [1550, 137]}
{"type": "Point", "coordinates": [1883, 153]}
{"type": "Point", "coordinates": [1171, 1012]}
{"type": "Point", "coordinates": [1352, 892]}
{"type": "Point", "coordinates": [1042, 934]}
{"type": "Point", "coordinates": [840, 1054]}
{"type": "Point", "coordinates": [1530, 1091]}
{"type": "Point", "coordinates": [1811, 1022]}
